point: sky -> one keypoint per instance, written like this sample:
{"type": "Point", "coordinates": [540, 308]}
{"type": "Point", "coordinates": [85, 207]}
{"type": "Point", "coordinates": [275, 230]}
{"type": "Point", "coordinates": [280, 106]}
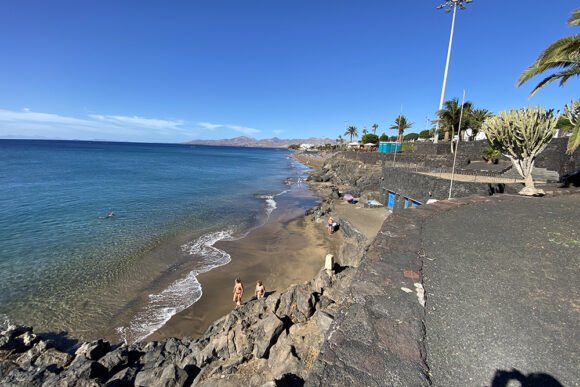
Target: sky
{"type": "Point", "coordinates": [160, 71]}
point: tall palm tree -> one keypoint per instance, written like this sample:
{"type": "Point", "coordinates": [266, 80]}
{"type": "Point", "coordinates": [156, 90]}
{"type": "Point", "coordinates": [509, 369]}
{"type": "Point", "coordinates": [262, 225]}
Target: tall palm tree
{"type": "Point", "coordinates": [563, 56]}
{"type": "Point", "coordinates": [448, 5]}
{"type": "Point", "coordinates": [351, 131]}
{"type": "Point", "coordinates": [365, 131]}
{"type": "Point", "coordinates": [401, 124]}
{"type": "Point", "coordinates": [478, 117]}
{"type": "Point", "coordinates": [375, 127]}
{"type": "Point", "coordinates": [449, 117]}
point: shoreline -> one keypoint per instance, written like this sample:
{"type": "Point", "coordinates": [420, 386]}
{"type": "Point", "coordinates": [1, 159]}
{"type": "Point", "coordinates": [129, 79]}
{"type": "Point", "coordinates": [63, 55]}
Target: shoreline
{"type": "Point", "coordinates": [261, 341]}
{"type": "Point", "coordinates": [299, 244]}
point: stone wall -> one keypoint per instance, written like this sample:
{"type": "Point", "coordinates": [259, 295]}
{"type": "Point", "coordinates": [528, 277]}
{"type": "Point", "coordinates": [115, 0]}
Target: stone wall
{"type": "Point", "coordinates": [429, 155]}
{"type": "Point", "coordinates": [555, 158]}
{"type": "Point", "coordinates": [418, 187]}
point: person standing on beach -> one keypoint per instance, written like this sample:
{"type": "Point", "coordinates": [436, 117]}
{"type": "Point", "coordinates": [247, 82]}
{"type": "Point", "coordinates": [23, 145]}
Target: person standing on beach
{"type": "Point", "coordinates": [330, 225]}
{"type": "Point", "coordinates": [260, 290]}
{"type": "Point", "coordinates": [238, 292]}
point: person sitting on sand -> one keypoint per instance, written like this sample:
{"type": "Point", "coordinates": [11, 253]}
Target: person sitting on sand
{"type": "Point", "coordinates": [238, 292]}
{"type": "Point", "coordinates": [330, 226]}
{"type": "Point", "coordinates": [260, 290]}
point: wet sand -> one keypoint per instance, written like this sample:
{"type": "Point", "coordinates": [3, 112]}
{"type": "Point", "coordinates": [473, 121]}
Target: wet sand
{"type": "Point", "coordinates": [291, 249]}
{"type": "Point", "coordinates": [279, 254]}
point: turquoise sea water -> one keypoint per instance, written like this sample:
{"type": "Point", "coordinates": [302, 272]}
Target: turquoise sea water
{"type": "Point", "coordinates": [64, 266]}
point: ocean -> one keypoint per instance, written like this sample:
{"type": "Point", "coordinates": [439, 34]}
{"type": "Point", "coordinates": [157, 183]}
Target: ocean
{"type": "Point", "coordinates": [67, 268]}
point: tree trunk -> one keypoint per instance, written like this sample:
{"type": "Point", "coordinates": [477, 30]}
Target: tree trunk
{"type": "Point", "coordinates": [446, 138]}
{"type": "Point", "coordinates": [525, 168]}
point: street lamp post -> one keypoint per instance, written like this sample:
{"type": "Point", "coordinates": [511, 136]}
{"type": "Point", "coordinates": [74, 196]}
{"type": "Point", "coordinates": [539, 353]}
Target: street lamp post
{"type": "Point", "coordinates": [449, 5]}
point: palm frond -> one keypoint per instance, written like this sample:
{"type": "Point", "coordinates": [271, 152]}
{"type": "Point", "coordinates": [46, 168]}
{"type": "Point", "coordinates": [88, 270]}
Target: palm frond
{"type": "Point", "coordinates": [574, 140]}
{"type": "Point", "coordinates": [560, 54]}
{"type": "Point", "coordinates": [574, 18]}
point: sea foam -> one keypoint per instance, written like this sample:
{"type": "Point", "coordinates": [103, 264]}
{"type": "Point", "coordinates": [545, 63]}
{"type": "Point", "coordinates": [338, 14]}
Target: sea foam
{"type": "Point", "coordinates": [182, 293]}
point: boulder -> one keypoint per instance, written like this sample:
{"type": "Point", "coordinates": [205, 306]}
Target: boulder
{"type": "Point", "coordinates": [154, 357]}
{"type": "Point", "coordinates": [82, 371]}
{"type": "Point", "coordinates": [16, 330]}
{"type": "Point", "coordinates": [125, 377]}
{"type": "Point", "coordinates": [115, 360]}
{"type": "Point", "coordinates": [297, 302]}
{"type": "Point", "coordinates": [282, 360]}
{"type": "Point", "coordinates": [171, 345]}
{"type": "Point", "coordinates": [321, 281]}
{"type": "Point", "coordinates": [93, 350]}
{"type": "Point", "coordinates": [304, 302]}
{"type": "Point", "coordinates": [266, 335]}
{"type": "Point", "coordinates": [53, 358]}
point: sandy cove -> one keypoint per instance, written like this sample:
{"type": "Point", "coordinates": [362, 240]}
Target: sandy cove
{"type": "Point", "coordinates": [280, 254]}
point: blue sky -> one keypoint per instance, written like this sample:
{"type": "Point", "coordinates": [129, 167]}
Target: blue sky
{"type": "Point", "coordinates": [175, 71]}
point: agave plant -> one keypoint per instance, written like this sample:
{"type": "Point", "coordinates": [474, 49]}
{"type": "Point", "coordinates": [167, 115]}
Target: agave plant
{"type": "Point", "coordinates": [490, 154]}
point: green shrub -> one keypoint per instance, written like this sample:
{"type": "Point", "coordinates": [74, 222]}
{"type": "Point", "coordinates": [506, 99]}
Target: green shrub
{"type": "Point", "coordinates": [425, 134]}
{"type": "Point", "coordinates": [384, 137]}
{"type": "Point", "coordinates": [411, 136]}
{"type": "Point", "coordinates": [407, 147]}
{"type": "Point", "coordinates": [370, 138]}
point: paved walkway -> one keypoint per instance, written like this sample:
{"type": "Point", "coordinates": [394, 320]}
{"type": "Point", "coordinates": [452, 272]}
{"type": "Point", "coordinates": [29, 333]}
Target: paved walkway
{"type": "Point", "coordinates": [502, 293]}
{"type": "Point", "coordinates": [501, 301]}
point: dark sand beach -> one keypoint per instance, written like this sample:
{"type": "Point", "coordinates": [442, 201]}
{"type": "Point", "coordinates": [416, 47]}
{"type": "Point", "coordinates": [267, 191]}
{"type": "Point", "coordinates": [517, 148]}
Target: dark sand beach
{"type": "Point", "coordinates": [289, 250]}
{"type": "Point", "coordinates": [279, 254]}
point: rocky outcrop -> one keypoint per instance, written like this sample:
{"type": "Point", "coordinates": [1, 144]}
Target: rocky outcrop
{"type": "Point", "coordinates": [275, 338]}
{"type": "Point", "coordinates": [349, 176]}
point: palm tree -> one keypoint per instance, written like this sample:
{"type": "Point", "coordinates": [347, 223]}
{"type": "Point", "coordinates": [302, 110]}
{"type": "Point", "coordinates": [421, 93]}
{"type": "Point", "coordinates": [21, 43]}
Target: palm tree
{"type": "Point", "coordinates": [401, 124]}
{"type": "Point", "coordinates": [448, 5]}
{"type": "Point", "coordinates": [449, 116]}
{"type": "Point", "coordinates": [563, 55]}
{"type": "Point", "coordinates": [351, 131]}
{"type": "Point", "coordinates": [478, 117]}
{"type": "Point", "coordinates": [375, 127]}
{"type": "Point", "coordinates": [365, 131]}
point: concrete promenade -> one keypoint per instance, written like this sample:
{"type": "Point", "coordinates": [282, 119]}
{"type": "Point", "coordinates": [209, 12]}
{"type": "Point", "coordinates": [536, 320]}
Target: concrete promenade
{"type": "Point", "coordinates": [478, 291]}
{"type": "Point", "coordinates": [503, 292]}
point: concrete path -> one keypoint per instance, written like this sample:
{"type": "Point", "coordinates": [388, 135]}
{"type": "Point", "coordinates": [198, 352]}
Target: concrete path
{"type": "Point", "coordinates": [502, 293]}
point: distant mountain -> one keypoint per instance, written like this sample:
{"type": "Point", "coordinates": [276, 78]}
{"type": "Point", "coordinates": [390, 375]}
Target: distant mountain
{"type": "Point", "coordinates": [266, 143]}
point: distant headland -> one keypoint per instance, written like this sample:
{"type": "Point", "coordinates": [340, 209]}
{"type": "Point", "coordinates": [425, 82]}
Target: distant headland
{"type": "Point", "coordinates": [274, 142]}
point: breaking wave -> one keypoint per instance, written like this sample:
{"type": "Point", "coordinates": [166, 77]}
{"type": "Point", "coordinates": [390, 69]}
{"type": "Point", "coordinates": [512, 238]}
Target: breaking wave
{"type": "Point", "coordinates": [182, 293]}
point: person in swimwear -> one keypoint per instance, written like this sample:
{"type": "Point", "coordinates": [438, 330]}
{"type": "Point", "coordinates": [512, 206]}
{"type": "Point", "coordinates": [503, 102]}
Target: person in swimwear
{"type": "Point", "coordinates": [330, 226]}
{"type": "Point", "coordinates": [260, 290]}
{"type": "Point", "coordinates": [238, 292]}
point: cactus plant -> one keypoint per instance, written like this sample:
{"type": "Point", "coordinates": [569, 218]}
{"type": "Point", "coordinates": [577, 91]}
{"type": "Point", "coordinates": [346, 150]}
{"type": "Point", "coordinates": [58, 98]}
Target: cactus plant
{"type": "Point", "coordinates": [521, 135]}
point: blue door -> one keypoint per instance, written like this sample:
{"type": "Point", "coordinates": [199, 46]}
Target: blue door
{"type": "Point", "coordinates": [415, 204]}
{"type": "Point", "coordinates": [391, 200]}
{"type": "Point", "coordinates": [406, 202]}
